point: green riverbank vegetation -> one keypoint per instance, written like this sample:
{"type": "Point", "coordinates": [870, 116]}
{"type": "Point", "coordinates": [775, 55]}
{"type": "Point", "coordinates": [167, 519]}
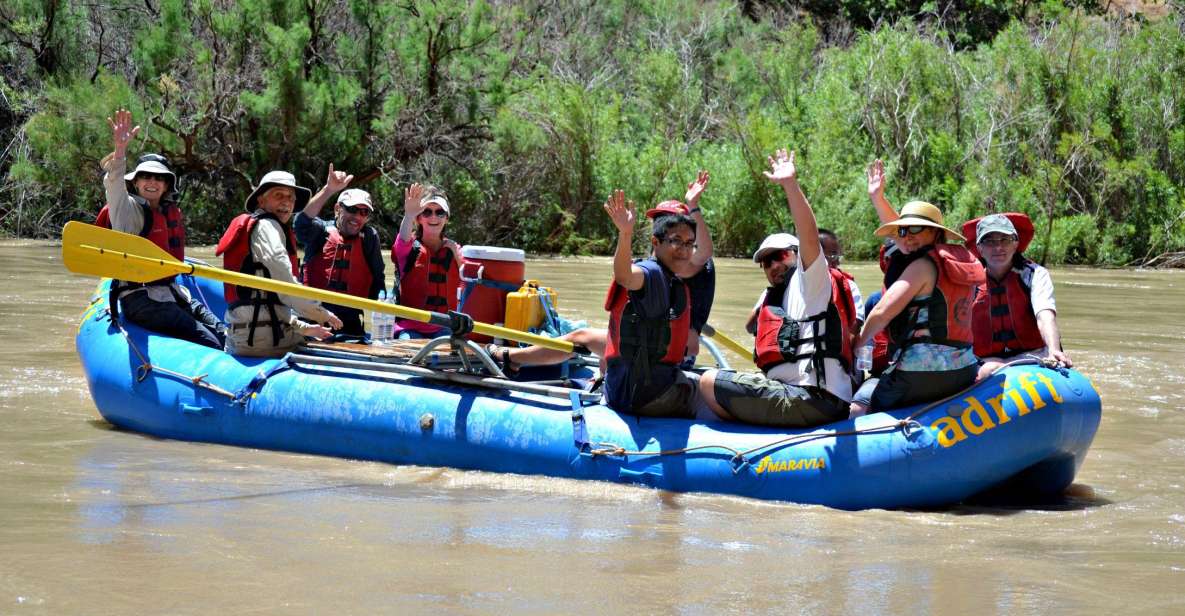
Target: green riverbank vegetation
{"type": "Point", "coordinates": [529, 113]}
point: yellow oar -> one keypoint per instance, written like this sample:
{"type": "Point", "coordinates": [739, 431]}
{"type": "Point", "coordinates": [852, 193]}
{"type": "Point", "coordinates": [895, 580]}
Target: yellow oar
{"type": "Point", "coordinates": [732, 345]}
{"type": "Point", "coordinates": [95, 251]}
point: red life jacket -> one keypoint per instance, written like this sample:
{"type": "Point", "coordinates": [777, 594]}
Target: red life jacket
{"type": "Point", "coordinates": [341, 266]}
{"type": "Point", "coordinates": [235, 250]}
{"type": "Point", "coordinates": [1004, 323]}
{"type": "Point", "coordinates": [166, 231]}
{"type": "Point", "coordinates": [645, 342]}
{"type": "Point", "coordinates": [949, 304]}
{"type": "Point", "coordinates": [429, 282]}
{"type": "Point", "coordinates": [779, 339]}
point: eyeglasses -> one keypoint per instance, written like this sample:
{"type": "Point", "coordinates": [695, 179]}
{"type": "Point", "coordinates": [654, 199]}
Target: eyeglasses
{"type": "Point", "coordinates": [911, 230]}
{"type": "Point", "coordinates": [160, 177]}
{"type": "Point", "coordinates": [357, 210]}
{"type": "Point", "coordinates": [834, 256]}
{"type": "Point", "coordinates": [433, 212]}
{"type": "Point", "coordinates": [677, 243]}
{"type": "Point", "coordinates": [992, 242]}
{"type": "Point", "coordinates": [775, 256]}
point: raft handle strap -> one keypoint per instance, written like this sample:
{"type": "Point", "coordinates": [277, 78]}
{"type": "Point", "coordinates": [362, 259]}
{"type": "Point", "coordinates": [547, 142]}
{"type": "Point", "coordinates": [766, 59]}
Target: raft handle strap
{"type": "Point", "coordinates": [250, 390]}
{"type": "Point", "coordinates": [579, 427]}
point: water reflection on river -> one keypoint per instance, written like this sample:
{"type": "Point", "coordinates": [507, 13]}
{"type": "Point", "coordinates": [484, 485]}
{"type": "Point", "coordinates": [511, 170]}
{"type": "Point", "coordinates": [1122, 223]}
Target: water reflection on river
{"type": "Point", "coordinates": [94, 520]}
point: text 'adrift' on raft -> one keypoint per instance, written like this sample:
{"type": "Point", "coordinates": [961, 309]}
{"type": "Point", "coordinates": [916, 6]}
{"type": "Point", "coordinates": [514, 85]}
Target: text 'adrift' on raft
{"type": "Point", "coordinates": [973, 418]}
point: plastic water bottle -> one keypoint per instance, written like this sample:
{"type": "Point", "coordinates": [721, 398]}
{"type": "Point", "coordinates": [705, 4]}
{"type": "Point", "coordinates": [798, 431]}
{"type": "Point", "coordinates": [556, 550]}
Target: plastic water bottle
{"type": "Point", "coordinates": [864, 358]}
{"type": "Point", "coordinates": [383, 323]}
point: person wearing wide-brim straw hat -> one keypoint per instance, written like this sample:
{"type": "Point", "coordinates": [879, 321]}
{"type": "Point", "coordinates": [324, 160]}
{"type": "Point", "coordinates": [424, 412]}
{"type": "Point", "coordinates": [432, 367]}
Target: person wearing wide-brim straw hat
{"type": "Point", "coordinates": [915, 216]}
{"type": "Point", "coordinates": [262, 243]}
{"type": "Point", "coordinates": [926, 307]}
{"type": "Point", "coordinates": [144, 202]}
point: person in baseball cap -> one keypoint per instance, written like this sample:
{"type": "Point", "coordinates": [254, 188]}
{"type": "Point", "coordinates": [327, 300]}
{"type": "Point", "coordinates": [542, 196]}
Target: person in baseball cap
{"type": "Point", "coordinates": [428, 262]}
{"type": "Point", "coordinates": [802, 341]}
{"type": "Point", "coordinates": [345, 254]}
{"type": "Point", "coordinates": [1014, 311]}
{"type": "Point", "coordinates": [699, 273]}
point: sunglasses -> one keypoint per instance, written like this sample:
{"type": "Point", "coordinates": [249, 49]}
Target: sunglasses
{"type": "Point", "coordinates": [911, 230]}
{"type": "Point", "coordinates": [152, 158]}
{"type": "Point", "coordinates": [154, 176]}
{"type": "Point", "coordinates": [434, 212]}
{"type": "Point", "coordinates": [358, 210]}
{"type": "Point", "coordinates": [775, 256]}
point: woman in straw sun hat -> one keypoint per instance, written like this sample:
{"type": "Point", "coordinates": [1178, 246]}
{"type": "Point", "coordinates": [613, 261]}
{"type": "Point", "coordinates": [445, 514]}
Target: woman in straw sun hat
{"type": "Point", "coordinates": [929, 288]}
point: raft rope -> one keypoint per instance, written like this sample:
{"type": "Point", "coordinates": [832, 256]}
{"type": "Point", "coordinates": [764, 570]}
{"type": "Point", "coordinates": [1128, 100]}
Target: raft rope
{"type": "Point", "coordinates": [146, 367]}
{"type": "Point", "coordinates": [740, 459]}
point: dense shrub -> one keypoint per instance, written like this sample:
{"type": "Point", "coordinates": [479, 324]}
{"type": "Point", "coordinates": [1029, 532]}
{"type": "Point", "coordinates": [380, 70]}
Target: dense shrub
{"type": "Point", "coordinates": [529, 113]}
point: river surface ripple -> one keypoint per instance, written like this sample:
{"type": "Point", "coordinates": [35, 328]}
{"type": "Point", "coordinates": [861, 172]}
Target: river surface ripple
{"type": "Point", "coordinates": [99, 521]}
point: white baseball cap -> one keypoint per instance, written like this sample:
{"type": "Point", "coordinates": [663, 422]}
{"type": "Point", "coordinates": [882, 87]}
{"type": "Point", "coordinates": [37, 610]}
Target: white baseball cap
{"type": "Point", "coordinates": [355, 196]}
{"type": "Point", "coordinates": [774, 243]}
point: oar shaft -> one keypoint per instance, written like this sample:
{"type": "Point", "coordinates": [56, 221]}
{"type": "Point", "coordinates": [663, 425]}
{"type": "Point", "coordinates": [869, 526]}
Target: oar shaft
{"type": "Point", "coordinates": [361, 303]}
{"type": "Point", "coordinates": [168, 267]}
{"type": "Point", "coordinates": [732, 345]}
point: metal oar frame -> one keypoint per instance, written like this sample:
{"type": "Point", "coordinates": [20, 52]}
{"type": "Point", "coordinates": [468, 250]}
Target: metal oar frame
{"type": "Point", "coordinates": [486, 373]}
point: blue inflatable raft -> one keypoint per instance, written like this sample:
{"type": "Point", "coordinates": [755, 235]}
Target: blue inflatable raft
{"type": "Point", "coordinates": [1023, 432]}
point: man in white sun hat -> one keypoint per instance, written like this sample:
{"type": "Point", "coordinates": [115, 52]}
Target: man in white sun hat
{"type": "Point", "coordinates": [144, 203]}
{"type": "Point", "coordinates": [261, 243]}
{"type": "Point", "coordinates": [343, 255]}
{"type": "Point", "coordinates": [802, 325]}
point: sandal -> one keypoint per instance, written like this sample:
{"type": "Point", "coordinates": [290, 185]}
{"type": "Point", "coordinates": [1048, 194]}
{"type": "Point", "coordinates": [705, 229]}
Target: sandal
{"type": "Point", "coordinates": [502, 359]}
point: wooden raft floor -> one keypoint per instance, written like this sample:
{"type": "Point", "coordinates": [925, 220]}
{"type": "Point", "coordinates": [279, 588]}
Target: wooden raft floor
{"type": "Point", "coordinates": [393, 351]}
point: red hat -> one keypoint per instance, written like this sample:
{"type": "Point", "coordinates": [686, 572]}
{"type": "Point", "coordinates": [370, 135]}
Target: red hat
{"type": "Point", "coordinates": [668, 207]}
{"type": "Point", "coordinates": [1021, 223]}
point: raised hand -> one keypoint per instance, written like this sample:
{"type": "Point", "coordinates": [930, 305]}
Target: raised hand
{"type": "Point", "coordinates": [122, 131]}
{"type": "Point", "coordinates": [337, 180]}
{"type": "Point", "coordinates": [411, 200]}
{"type": "Point", "coordinates": [620, 211]}
{"type": "Point", "coordinates": [876, 180]}
{"type": "Point", "coordinates": [781, 168]}
{"type": "Point", "coordinates": [696, 188]}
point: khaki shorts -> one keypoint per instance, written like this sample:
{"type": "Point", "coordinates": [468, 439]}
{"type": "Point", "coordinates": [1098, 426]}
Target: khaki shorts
{"type": "Point", "coordinates": [755, 399]}
{"type": "Point", "coordinates": [236, 341]}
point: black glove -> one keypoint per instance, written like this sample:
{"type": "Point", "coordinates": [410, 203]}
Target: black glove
{"type": "Point", "coordinates": [460, 323]}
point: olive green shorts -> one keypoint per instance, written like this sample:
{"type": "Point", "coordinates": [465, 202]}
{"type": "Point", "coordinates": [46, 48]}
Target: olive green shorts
{"type": "Point", "coordinates": [755, 399]}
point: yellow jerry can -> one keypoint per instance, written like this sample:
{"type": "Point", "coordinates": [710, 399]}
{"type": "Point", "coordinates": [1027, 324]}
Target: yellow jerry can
{"type": "Point", "coordinates": [524, 307]}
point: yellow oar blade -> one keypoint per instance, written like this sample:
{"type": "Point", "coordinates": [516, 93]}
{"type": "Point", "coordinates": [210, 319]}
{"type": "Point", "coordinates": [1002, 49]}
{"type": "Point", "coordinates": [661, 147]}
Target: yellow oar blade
{"type": "Point", "coordinates": [729, 343]}
{"type": "Point", "coordinates": [95, 251]}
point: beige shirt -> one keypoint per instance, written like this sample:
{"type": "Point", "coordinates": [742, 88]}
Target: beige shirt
{"type": "Point", "coordinates": [128, 217]}
{"type": "Point", "coordinates": [268, 249]}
